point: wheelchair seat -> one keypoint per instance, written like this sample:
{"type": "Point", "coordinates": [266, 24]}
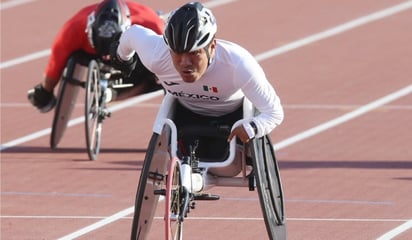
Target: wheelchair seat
{"type": "Point", "coordinates": [211, 141]}
{"type": "Point", "coordinates": [212, 146]}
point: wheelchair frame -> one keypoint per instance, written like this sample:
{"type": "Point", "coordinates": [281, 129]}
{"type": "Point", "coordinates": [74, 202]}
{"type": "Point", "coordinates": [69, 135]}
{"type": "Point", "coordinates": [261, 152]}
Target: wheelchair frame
{"type": "Point", "coordinates": [165, 175]}
{"type": "Point", "coordinates": [94, 78]}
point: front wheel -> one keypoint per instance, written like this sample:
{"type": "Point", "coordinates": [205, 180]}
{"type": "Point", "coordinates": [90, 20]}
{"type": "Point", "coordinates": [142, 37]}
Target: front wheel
{"type": "Point", "coordinates": [93, 123]}
{"type": "Point", "coordinates": [151, 185]}
{"type": "Point", "coordinates": [269, 187]}
{"type": "Point", "coordinates": [173, 203]}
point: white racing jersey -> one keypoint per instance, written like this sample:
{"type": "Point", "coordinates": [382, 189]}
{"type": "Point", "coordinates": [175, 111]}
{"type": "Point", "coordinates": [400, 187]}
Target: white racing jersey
{"type": "Point", "coordinates": [232, 75]}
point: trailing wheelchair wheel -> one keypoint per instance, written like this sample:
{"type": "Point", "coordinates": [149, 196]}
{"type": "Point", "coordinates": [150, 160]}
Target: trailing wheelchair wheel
{"type": "Point", "coordinates": [173, 202]}
{"type": "Point", "coordinates": [93, 123]}
{"type": "Point", "coordinates": [66, 100]}
{"type": "Point", "coordinates": [269, 187]}
{"type": "Point", "coordinates": [151, 186]}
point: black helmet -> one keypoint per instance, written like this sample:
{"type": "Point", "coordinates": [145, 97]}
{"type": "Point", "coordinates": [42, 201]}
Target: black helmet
{"type": "Point", "coordinates": [106, 23]}
{"type": "Point", "coordinates": [189, 28]}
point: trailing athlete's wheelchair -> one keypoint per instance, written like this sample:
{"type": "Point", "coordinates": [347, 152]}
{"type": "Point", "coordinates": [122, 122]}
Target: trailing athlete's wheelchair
{"type": "Point", "coordinates": [180, 179]}
{"type": "Point", "coordinates": [83, 71]}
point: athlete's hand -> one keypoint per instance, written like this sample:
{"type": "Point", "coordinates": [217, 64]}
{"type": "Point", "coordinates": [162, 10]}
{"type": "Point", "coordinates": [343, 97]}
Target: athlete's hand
{"type": "Point", "coordinates": [42, 99]}
{"type": "Point", "coordinates": [239, 132]}
{"type": "Point", "coordinates": [125, 66]}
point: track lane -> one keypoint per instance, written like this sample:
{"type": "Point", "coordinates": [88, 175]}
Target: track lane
{"type": "Point", "coordinates": [282, 134]}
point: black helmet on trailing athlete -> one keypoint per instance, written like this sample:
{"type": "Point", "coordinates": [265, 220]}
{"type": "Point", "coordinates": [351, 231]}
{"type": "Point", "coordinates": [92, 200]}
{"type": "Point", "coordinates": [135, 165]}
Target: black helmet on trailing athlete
{"type": "Point", "coordinates": [189, 28]}
{"type": "Point", "coordinates": [106, 23]}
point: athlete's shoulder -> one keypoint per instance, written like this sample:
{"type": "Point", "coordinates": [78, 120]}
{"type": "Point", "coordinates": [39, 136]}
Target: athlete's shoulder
{"type": "Point", "coordinates": [232, 50]}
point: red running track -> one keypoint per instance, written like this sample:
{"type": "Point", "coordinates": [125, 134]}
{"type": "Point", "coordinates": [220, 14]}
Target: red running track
{"type": "Point", "coordinates": [343, 71]}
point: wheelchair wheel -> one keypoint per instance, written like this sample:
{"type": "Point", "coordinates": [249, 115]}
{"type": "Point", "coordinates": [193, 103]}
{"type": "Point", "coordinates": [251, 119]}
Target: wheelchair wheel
{"type": "Point", "coordinates": [93, 123]}
{"type": "Point", "coordinates": [151, 185]}
{"type": "Point", "coordinates": [269, 187]}
{"type": "Point", "coordinates": [66, 100]}
{"type": "Point", "coordinates": [173, 202]}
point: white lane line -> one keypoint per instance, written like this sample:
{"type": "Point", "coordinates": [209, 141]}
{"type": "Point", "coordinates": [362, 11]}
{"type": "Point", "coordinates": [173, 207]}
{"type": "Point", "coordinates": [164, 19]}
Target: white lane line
{"type": "Point", "coordinates": [336, 30]}
{"type": "Point", "coordinates": [26, 58]}
{"type": "Point", "coordinates": [344, 118]}
{"type": "Point", "coordinates": [75, 121]}
{"type": "Point", "coordinates": [217, 3]}
{"type": "Point", "coordinates": [26, 138]}
{"type": "Point", "coordinates": [13, 3]}
{"type": "Point", "coordinates": [98, 224]}
{"type": "Point", "coordinates": [57, 194]}
{"type": "Point", "coordinates": [396, 231]}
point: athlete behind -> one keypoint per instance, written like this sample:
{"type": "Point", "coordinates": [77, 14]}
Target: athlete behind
{"type": "Point", "coordinates": [87, 35]}
{"type": "Point", "coordinates": [209, 77]}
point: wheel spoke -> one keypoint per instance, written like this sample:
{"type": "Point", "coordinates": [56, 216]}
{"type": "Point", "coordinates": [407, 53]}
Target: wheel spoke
{"type": "Point", "coordinates": [92, 111]}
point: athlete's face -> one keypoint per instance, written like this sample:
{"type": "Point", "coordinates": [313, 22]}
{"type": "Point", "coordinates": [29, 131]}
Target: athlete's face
{"type": "Point", "coordinates": [191, 66]}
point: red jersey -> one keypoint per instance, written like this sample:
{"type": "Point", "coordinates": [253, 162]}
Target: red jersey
{"type": "Point", "coordinates": [73, 36]}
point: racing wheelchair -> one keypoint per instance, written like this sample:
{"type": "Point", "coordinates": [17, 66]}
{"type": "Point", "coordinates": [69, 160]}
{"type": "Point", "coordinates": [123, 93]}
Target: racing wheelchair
{"type": "Point", "coordinates": [83, 71]}
{"type": "Point", "coordinates": [181, 179]}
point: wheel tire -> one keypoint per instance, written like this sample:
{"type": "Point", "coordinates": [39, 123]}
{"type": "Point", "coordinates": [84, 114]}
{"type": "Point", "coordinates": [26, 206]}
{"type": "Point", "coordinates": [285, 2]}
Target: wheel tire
{"type": "Point", "coordinates": [269, 187]}
{"type": "Point", "coordinates": [173, 202]}
{"type": "Point", "coordinates": [152, 179]}
{"type": "Point", "coordinates": [93, 123]}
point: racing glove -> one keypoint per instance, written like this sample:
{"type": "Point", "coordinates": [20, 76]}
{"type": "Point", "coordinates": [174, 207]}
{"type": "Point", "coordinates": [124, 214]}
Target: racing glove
{"type": "Point", "coordinates": [126, 67]}
{"type": "Point", "coordinates": [43, 100]}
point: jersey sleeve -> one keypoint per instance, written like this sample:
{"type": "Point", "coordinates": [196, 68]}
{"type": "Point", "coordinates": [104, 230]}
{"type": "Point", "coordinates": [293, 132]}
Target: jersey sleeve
{"type": "Point", "coordinates": [261, 93]}
{"type": "Point", "coordinates": [144, 41]}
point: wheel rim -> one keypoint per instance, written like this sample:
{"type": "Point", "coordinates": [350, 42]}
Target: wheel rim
{"type": "Point", "coordinates": [276, 194]}
{"type": "Point", "coordinates": [269, 188]}
{"type": "Point", "coordinates": [93, 123]}
{"type": "Point", "coordinates": [152, 179]}
{"type": "Point", "coordinates": [174, 224]}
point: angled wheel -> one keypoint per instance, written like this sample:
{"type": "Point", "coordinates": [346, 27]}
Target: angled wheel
{"type": "Point", "coordinates": [269, 187]}
{"type": "Point", "coordinates": [173, 202]}
{"type": "Point", "coordinates": [93, 123]}
{"type": "Point", "coordinates": [151, 185]}
{"type": "Point", "coordinates": [66, 100]}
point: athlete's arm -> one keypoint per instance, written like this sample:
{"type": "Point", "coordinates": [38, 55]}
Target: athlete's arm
{"type": "Point", "coordinates": [263, 96]}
